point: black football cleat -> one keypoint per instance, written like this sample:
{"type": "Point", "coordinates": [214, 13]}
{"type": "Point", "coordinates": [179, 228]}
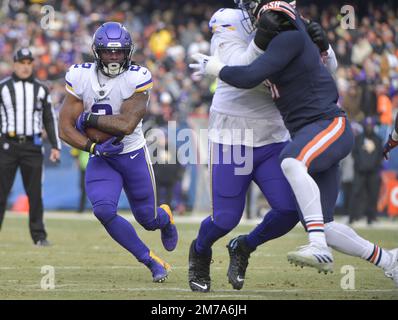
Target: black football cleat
{"type": "Point", "coordinates": [239, 254]}
{"type": "Point", "coordinates": [199, 270]}
{"type": "Point", "coordinates": [42, 243]}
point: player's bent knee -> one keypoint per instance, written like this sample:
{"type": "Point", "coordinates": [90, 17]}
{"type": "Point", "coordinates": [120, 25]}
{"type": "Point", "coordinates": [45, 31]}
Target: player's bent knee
{"type": "Point", "coordinates": [226, 221]}
{"type": "Point", "coordinates": [105, 212]}
{"type": "Point", "coordinates": [290, 166]}
{"type": "Point", "coordinates": [291, 214]}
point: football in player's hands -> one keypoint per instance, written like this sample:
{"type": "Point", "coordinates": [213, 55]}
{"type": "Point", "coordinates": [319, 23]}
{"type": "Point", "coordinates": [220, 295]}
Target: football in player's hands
{"type": "Point", "coordinates": [99, 136]}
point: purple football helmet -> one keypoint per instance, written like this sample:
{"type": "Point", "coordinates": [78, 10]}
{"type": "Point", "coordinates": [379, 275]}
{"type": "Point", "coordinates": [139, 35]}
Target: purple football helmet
{"type": "Point", "coordinates": [113, 48]}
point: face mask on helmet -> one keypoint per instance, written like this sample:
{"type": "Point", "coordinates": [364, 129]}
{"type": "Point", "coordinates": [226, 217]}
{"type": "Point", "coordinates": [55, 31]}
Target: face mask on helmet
{"type": "Point", "coordinates": [248, 8]}
{"type": "Point", "coordinates": [112, 49]}
{"type": "Point", "coordinates": [113, 61]}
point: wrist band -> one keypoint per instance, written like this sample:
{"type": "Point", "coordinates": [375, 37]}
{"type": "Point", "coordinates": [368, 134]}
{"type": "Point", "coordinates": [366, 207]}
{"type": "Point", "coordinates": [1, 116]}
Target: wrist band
{"type": "Point", "coordinates": [92, 120]}
{"type": "Point", "coordinates": [90, 146]}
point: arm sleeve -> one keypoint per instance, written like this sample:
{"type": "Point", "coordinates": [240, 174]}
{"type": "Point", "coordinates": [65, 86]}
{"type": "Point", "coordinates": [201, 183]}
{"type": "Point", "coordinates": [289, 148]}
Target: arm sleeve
{"type": "Point", "coordinates": [50, 122]}
{"type": "Point", "coordinates": [281, 50]}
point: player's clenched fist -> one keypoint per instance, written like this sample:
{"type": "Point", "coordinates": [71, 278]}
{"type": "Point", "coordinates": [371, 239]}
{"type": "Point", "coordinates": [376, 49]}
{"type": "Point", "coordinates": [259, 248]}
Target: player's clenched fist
{"type": "Point", "coordinates": [109, 147]}
{"type": "Point", "coordinates": [81, 122]}
{"type": "Point", "coordinates": [318, 35]}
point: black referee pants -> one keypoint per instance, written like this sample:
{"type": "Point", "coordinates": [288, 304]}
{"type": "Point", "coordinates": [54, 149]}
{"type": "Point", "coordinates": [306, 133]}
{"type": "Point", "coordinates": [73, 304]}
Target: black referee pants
{"type": "Point", "coordinates": [365, 195]}
{"type": "Point", "coordinates": [29, 158]}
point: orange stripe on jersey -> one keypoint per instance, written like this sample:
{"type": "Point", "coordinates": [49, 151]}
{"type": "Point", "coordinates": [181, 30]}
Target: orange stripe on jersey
{"type": "Point", "coordinates": [327, 144]}
{"type": "Point", "coordinates": [318, 138]}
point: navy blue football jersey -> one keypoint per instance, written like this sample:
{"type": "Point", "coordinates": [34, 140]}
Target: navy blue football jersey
{"type": "Point", "coordinates": [303, 89]}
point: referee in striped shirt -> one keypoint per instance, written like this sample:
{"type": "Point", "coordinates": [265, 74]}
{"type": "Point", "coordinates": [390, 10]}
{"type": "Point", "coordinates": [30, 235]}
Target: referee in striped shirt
{"type": "Point", "coordinates": [25, 106]}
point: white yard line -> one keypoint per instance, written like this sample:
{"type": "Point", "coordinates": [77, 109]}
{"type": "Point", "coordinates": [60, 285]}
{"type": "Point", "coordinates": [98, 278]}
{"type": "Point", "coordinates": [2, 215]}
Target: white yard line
{"type": "Point", "coordinates": [139, 267]}
{"type": "Point", "coordinates": [178, 289]}
{"type": "Point", "coordinates": [196, 218]}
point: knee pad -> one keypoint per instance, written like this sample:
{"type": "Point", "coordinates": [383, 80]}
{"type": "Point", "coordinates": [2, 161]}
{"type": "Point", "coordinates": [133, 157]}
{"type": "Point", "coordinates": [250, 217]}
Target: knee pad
{"type": "Point", "coordinates": [298, 177]}
{"type": "Point", "coordinates": [226, 220]}
{"type": "Point", "coordinates": [290, 165]}
{"type": "Point", "coordinates": [105, 212]}
{"type": "Point", "coordinates": [291, 215]}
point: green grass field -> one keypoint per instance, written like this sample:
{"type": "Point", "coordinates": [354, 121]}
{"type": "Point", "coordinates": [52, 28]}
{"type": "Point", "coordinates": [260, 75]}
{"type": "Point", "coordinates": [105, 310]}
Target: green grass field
{"type": "Point", "coordinates": [90, 265]}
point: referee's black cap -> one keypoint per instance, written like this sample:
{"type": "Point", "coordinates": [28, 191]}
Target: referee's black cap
{"type": "Point", "coordinates": [23, 53]}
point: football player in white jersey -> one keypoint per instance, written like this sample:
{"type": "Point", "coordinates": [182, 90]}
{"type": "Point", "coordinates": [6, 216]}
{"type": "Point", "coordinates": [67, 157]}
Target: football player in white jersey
{"type": "Point", "coordinates": [242, 121]}
{"type": "Point", "coordinates": [111, 95]}
{"type": "Point", "coordinates": [338, 236]}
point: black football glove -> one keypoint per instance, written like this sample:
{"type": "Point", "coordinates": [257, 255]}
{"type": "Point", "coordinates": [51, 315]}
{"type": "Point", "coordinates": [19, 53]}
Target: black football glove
{"type": "Point", "coordinates": [318, 35]}
{"type": "Point", "coordinates": [390, 144]}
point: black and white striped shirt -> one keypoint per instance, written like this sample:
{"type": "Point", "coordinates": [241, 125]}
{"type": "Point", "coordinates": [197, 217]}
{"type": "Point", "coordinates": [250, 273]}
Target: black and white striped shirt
{"type": "Point", "coordinates": [25, 106]}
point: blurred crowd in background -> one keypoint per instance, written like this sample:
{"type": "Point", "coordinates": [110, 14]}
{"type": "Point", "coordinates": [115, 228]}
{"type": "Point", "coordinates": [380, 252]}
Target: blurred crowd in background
{"type": "Point", "coordinates": [166, 33]}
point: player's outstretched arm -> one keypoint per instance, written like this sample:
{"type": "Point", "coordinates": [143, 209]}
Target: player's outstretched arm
{"type": "Point", "coordinates": [132, 111]}
{"type": "Point", "coordinates": [281, 50]}
{"type": "Point", "coordinates": [71, 108]}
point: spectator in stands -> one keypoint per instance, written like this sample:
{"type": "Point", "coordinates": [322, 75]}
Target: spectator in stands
{"type": "Point", "coordinates": [347, 179]}
{"type": "Point", "coordinates": [160, 40]}
{"type": "Point", "coordinates": [368, 158]}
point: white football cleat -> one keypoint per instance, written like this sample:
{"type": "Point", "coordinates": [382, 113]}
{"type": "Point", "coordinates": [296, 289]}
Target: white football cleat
{"type": "Point", "coordinates": [312, 255]}
{"type": "Point", "coordinates": [392, 271]}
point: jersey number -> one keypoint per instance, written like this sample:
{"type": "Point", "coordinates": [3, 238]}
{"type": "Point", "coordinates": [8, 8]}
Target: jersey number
{"type": "Point", "coordinates": [135, 68]}
{"type": "Point", "coordinates": [273, 89]}
{"type": "Point", "coordinates": [102, 109]}
{"type": "Point", "coordinates": [86, 65]}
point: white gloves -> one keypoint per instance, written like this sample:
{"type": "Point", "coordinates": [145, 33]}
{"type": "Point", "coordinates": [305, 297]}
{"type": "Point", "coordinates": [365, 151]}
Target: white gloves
{"type": "Point", "coordinates": [206, 65]}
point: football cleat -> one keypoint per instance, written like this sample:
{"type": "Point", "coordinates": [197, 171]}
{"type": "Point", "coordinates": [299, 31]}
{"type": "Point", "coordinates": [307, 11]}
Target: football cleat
{"type": "Point", "coordinates": [199, 270]}
{"type": "Point", "coordinates": [239, 255]}
{"type": "Point", "coordinates": [314, 256]}
{"type": "Point", "coordinates": [169, 234]}
{"type": "Point", "coordinates": [158, 267]}
{"type": "Point", "coordinates": [42, 243]}
{"type": "Point", "coordinates": [392, 271]}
